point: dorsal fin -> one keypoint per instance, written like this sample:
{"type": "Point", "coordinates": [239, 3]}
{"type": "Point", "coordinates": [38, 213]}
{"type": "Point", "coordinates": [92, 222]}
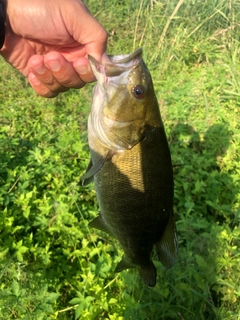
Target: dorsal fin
{"type": "Point", "coordinates": [167, 246]}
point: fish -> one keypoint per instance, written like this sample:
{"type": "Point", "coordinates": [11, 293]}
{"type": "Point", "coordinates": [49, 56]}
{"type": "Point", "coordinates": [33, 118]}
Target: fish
{"type": "Point", "coordinates": [131, 165]}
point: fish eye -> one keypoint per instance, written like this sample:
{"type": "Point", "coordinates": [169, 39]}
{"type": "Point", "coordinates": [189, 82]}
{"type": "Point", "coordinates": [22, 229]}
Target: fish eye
{"type": "Point", "coordinates": [138, 92]}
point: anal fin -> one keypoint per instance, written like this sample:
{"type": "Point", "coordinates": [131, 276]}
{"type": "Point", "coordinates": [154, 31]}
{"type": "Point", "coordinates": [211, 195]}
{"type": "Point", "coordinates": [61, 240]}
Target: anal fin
{"type": "Point", "coordinates": [167, 247]}
{"type": "Point", "coordinates": [123, 265]}
{"type": "Point", "coordinates": [148, 274]}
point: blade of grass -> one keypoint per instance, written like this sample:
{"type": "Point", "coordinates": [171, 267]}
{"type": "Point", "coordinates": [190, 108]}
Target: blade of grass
{"type": "Point", "coordinates": [136, 26]}
{"type": "Point", "coordinates": [160, 42]}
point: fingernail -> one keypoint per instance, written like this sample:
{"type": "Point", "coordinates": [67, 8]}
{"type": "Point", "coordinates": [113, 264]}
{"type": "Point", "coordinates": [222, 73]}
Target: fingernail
{"type": "Point", "coordinates": [40, 69]}
{"type": "Point", "coordinates": [33, 79]}
{"type": "Point", "coordinates": [54, 65]}
{"type": "Point", "coordinates": [82, 69]}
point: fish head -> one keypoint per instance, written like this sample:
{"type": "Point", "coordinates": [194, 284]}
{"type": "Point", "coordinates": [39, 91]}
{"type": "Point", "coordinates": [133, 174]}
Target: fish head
{"type": "Point", "coordinates": [124, 102]}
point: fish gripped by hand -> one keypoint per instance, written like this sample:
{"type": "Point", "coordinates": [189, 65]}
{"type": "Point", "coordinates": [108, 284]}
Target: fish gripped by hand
{"type": "Point", "coordinates": [131, 165]}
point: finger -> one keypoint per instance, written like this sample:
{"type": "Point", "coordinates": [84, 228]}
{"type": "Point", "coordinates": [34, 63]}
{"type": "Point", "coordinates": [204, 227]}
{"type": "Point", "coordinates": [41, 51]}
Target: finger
{"type": "Point", "coordinates": [83, 68]}
{"type": "Point", "coordinates": [54, 72]}
{"type": "Point", "coordinates": [40, 88]}
{"type": "Point", "coordinates": [41, 78]}
{"type": "Point", "coordinates": [63, 71]}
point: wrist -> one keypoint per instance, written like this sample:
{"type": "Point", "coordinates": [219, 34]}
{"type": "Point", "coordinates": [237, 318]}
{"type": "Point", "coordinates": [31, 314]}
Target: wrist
{"type": "Point", "coordinates": [2, 22]}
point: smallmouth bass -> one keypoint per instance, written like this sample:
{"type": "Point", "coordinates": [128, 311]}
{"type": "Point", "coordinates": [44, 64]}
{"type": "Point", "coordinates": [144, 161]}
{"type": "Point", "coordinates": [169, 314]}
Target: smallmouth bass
{"type": "Point", "coordinates": [131, 165]}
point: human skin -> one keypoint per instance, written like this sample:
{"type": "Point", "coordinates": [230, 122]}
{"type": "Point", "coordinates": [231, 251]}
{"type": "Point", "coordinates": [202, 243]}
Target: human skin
{"type": "Point", "coordinates": [48, 42]}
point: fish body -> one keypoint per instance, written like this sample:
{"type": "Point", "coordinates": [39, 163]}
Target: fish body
{"type": "Point", "coordinates": [131, 165]}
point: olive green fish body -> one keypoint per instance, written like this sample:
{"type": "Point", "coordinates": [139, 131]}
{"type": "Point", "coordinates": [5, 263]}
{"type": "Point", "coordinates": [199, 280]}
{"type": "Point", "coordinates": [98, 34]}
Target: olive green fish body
{"type": "Point", "coordinates": [133, 178]}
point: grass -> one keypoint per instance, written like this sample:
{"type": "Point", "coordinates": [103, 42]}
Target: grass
{"type": "Point", "coordinates": [51, 265]}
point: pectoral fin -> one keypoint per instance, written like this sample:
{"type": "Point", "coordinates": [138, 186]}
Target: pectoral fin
{"type": "Point", "coordinates": [167, 247]}
{"type": "Point", "coordinates": [92, 169]}
{"type": "Point", "coordinates": [87, 178]}
{"type": "Point", "coordinates": [98, 223]}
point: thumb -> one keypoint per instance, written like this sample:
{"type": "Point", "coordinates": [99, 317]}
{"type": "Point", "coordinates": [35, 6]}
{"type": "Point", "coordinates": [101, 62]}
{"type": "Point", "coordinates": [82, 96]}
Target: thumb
{"type": "Point", "coordinates": [85, 29]}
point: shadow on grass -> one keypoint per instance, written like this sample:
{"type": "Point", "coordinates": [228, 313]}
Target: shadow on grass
{"type": "Point", "coordinates": [202, 184]}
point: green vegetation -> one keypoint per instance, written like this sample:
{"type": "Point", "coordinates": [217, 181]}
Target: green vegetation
{"type": "Point", "coordinates": [51, 265]}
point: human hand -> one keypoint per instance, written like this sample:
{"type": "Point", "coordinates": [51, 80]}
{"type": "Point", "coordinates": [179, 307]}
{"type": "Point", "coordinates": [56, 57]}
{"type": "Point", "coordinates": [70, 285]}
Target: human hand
{"type": "Point", "coordinates": [48, 41]}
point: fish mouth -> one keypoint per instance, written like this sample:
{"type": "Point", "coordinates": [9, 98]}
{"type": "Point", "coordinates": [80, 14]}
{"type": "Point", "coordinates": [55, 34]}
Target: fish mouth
{"type": "Point", "coordinates": [118, 64]}
{"type": "Point", "coordinates": [126, 58]}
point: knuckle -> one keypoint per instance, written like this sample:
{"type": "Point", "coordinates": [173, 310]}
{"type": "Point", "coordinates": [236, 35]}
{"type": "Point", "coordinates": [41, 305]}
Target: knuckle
{"type": "Point", "coordinates": [50, 81]}
{"type": "Point", "coordinates": [72, 83]}
{"type": "Point", "coordinates": [45, 92]}
{"type": "Point", "coordinates": [50, 94]}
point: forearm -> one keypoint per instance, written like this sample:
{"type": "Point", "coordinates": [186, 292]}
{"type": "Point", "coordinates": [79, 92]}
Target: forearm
{"type": "Point", "coordinates": [2, 22]}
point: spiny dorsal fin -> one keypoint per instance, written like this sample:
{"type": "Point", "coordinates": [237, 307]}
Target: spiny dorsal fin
{"type": "Point", "coordinates": [92, 169]}
{"type": "Point", "coordinates": [167, 246]}
{"type": "Point", "coordinates": [98, 223]}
